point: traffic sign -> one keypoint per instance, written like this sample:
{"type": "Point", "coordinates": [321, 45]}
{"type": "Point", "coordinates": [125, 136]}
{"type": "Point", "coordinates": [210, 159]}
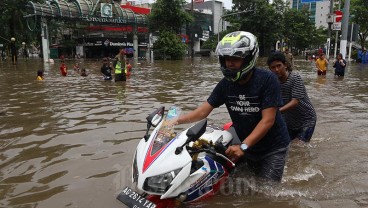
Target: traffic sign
{"type": "Point", "coordinates": [336, 26]}
{"type": "Point", "coordinates": [338, 16]}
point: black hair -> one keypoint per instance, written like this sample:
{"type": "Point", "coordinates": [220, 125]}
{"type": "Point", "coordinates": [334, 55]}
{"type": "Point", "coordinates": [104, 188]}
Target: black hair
{"type": "Point", "coordinates": [276, 56]}
{"type": "Point", "coordinates": [40, 72]}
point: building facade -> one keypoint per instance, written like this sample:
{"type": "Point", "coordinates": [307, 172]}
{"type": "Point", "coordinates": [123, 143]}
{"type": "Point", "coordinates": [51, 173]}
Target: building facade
{"type": "Point", "coordinates": [319, 11]}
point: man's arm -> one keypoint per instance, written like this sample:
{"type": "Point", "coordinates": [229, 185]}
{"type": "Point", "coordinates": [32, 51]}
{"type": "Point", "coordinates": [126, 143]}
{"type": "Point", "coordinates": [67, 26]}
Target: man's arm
{"type": "Point", "coordinates": [291, 104]}
{"type": "Point", "coordinates": [200, 113]}
{"type": "Point", "coordinates": [263, 126]}
{"type": "Point", "coordinates": [317, 66]}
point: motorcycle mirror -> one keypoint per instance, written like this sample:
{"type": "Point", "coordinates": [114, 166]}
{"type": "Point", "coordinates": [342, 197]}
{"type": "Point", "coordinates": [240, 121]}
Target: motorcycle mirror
{"type": "Point", "coordinates": [156, 117]}
{"type": "Point", "coordinates": [194, 133]}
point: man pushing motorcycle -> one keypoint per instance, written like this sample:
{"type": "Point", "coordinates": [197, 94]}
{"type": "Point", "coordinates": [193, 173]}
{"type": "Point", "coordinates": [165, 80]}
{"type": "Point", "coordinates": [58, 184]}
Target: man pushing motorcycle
{"type": "Point", "coordinates": [252, 97]}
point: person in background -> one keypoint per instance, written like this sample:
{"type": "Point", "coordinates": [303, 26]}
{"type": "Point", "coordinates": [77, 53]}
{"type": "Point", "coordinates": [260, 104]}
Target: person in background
{"type": "Point", "coordinates": [106, 69]}
{"type": "Point", "coordinates": [40, 75]}
{"type": "Point", "coordinates": [365, 57]}
{"type": "Point", "coordinates": [128, 68]}
{"type": "Point", "coordinates": [321, 64]}
{"type": "Point", "coordinates": [119, 66]}
{"type": "Point", "coordinates": [339, 64]}
{"type": "Point", "coordinates": [297, 111]}
{"type": "Point", "coordinates": [83, 72]}
{"type": "Point", "coordinates": [360, 56]}
{"type": "Point", "coordinates": [13, 51]}
{"type": "Point", "coordinates": [289, 59]}
{"type": "Point", "coordinates": [252, 97]}
{"type": "Point", "coordinates": [25, 51]}
{"type": "Point", "coordinates": [63, 69]}
{"type": "Point", "coordinates": [76, 67]}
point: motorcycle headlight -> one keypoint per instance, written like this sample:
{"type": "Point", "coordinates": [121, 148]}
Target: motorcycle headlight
{"type": "Point", "coordinates": [160, 183]}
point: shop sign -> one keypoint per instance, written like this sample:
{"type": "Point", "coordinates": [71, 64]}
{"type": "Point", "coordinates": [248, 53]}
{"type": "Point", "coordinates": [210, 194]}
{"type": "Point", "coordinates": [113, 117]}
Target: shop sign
{"type": "Point", "coordinates": [121, 44]}
{"type": "Point", "coordinates": [108, 43]}
{"type": "Point", "coordinates": [105, 19]}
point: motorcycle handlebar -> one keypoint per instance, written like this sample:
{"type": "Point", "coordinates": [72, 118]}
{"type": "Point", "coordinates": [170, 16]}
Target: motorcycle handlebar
{"type": "Point", "coordinates": [212, 151]}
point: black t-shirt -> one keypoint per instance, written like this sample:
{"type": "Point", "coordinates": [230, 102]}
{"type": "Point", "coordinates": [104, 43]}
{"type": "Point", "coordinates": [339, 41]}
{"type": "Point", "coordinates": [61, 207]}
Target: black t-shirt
{"type": "Point", "coordinates": [245, 104]}
{"type": "Point", "coordinates": [106, 70]}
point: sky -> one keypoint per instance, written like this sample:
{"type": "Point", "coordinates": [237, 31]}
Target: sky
{"type": "Point", "coordinates": [227, 3]}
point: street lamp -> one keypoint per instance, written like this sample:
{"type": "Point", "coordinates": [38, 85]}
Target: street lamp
{"type": "Point", "coordinates": [227, 15]}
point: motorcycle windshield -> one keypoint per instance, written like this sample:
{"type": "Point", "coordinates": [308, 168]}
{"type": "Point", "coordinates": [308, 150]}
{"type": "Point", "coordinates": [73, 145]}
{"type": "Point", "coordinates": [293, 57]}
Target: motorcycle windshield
{"type": "Point", "coordinates": [166, 132]}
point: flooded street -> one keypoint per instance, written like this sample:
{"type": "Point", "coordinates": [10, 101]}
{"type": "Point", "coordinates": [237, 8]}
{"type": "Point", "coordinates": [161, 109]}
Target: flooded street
{"type": "Point", "coordinates": [69, 141]}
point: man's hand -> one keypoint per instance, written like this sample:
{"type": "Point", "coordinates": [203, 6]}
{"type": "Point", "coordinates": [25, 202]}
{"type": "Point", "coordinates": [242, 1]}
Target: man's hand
{"type": "Point", "coordinates": [234, 152]}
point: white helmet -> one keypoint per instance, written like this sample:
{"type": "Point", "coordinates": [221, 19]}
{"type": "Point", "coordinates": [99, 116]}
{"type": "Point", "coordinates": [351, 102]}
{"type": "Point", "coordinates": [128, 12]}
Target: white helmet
{"type": "Point", "coordinates": [238, 44]}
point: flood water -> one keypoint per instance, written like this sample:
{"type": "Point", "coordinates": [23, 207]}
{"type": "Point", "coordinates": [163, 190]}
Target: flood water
{"type": "Point", "coordinates": [69, 141]}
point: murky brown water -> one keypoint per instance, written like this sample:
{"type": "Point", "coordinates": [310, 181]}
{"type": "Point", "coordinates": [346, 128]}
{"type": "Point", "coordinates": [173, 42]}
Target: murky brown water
{"type": "Point", "coordinates": [69, 141]}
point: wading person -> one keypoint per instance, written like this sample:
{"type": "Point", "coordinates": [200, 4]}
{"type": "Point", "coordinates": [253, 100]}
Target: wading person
{"type": "Point", "coordinates": [321, 64]}
{"type": "Point", "coordinates": [252, 98]}
{"type": "Point", "coordinates": [298, 112]}
{"type": "Point", "coordinates": [106, 69]}
{"type": "Point", "coordinates": [119, 66]}
{"type": "Point", "coordinates": [63, 69]}
{"type": "Point", "coordinates": [40, 75]}
{"type": "Point", "coordinates": [339, 64]}
{"type": "Point", "coordinates": [289, 59]}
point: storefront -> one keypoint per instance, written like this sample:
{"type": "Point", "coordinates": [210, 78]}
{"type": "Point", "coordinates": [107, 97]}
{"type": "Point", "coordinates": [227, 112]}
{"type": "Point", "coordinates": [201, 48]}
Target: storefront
{"type": "Point", "coordinates": [109, 26]}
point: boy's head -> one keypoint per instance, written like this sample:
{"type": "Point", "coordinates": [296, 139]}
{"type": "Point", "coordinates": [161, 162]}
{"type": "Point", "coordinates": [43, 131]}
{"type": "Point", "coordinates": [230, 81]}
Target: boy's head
{"type": "Point", "coordinates": [40, 72]}
{"type": "Point", "coordinates": [276, 56]}
{"type": "Point", "coordinates": [277, 64]}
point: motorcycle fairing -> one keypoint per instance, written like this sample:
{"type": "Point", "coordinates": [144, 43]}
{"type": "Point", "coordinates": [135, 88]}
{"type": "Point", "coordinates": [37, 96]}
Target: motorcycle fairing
{"type": "Point", "coordinates": [151, 155]}
{"type": "Point", "coordinates": [206, 186]}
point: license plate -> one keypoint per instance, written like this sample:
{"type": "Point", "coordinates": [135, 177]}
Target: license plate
{"type": "Point", "coordinates": [134, 200]}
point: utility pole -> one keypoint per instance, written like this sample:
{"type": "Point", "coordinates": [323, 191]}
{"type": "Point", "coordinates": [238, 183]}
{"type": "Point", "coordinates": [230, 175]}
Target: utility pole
{"type": "Point", "coordinates": [337, 34]}
{"type": "Point", "coordinates": [329, 29]}
{"type": "Point", "coordinates": [192, 33]}
{"type": "Point", "coordinates": [344, 28]}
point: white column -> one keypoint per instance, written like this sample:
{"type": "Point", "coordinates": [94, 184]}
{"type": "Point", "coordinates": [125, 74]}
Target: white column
{"type": "Point", "coordinates": [351, 40]}
{"type": "Point", "coordinates": [135, 43]}
{"type": "Point", "coordinates": [45, 40]}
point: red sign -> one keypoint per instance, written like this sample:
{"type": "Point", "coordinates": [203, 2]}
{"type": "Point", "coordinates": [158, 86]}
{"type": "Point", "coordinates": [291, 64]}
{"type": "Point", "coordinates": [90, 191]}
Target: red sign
{"type": "Point", "coordinates": [198, 1]}
{"type": "Point", "coordinates": [338, 16]}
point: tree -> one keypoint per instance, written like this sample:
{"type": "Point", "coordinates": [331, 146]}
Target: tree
{"type": "Point", "coordinates": [299, 31]}
{"type": "Point", "coordinates": [169, 44]}
{"type": "Point", "coordinates": [264, 21]}
{"type": "Point", "coordinates": [168, 17]}
{"type": "Point", "coordinates": [359, 11]}
{"type": "Point", "coordinates": [13, 22]}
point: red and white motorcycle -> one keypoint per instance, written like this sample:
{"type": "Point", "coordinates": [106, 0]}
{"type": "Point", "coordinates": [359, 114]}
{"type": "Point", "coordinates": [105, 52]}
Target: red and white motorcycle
{"type": "Point", "coordinates": [171, 168]}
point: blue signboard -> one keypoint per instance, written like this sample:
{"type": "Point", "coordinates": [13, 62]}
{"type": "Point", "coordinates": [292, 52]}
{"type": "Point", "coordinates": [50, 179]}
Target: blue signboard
{"type": "Point", "coordinates": [308, 1]}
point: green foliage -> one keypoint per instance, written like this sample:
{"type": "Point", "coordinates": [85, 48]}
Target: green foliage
{"type": "Point", "coordinates": [359, 11]}
{"type": "Point", "coordinates": [13, 23]}
{"type": "Point", "coordinates": [276, 21]}
{"type": "Point", "coordinates": [300, 32]}
{"type": "Point", "coordinates": [169, 45]}
{"type": "Point", "coordinates": [264, 21]}
{"type": "Point", "coordinates": [168, 15]}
